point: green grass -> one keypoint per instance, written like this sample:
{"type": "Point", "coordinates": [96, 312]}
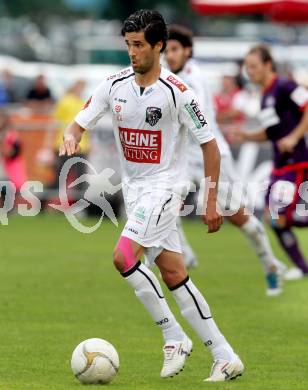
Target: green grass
{"type": "Point", "coordinates": [58, 287]}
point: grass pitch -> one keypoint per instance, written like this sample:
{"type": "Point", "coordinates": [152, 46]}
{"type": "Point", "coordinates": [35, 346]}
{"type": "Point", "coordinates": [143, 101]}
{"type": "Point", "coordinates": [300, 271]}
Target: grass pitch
{"type": "Point", "coordinates": [58, 287]}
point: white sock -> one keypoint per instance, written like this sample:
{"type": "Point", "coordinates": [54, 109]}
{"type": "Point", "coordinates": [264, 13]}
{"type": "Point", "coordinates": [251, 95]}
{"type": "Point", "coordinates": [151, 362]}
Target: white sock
{"type": "Point", "coordinates": [256, 234]}
{"type": "Point", "coordinates": [188, 253]}
{"type": "Point", "coordinates": [196, 311]}
{"type": "Point", "coordinates": [148, 290]}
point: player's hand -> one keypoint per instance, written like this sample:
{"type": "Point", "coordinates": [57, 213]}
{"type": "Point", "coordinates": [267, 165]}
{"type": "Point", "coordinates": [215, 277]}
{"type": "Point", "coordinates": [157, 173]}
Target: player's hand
{"type": "Point", "coordinates": [69, 147]}
{"type": "Point", "coordinates": [212, 217]}
{"type": "Point", "coordinates": [287, 144]}
{"type": "Point", "coordinates": [236, 136]}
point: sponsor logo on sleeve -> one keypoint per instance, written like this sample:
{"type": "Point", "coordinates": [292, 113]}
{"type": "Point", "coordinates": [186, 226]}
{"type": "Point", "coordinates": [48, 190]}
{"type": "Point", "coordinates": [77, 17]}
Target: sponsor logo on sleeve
{"type": "Point", "coordinates": [153, 115]}
{"type": "Point", "coordinates": [141, 146]}
{"type": "Point", "coordinates": [195, 113]}
{"type": "Point", "coordinates": [177, 83]}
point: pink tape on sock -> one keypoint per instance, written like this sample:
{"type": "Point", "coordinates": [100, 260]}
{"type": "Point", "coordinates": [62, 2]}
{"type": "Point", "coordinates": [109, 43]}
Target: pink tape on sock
{"type": "Point", "coordinates": [125, 247]}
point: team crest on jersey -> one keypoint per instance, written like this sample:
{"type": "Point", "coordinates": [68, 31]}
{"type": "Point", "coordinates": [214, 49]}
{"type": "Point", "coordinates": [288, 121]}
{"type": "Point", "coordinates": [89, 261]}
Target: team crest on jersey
{"type": "Point", "coordinates": [153, 115]}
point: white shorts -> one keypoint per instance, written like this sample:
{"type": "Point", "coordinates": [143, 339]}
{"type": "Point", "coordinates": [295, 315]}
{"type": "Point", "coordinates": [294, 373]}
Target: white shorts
{"type": "Point", "coordinates": [152, 223]}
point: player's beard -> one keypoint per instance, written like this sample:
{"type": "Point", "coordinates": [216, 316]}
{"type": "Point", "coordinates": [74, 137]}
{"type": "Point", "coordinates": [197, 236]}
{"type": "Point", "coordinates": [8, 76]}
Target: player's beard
{"type": "Point", "coordinates": [145, 67]}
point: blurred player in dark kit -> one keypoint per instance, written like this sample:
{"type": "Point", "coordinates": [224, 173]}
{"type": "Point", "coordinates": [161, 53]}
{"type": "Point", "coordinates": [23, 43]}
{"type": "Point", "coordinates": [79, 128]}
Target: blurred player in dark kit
{"type": "Point", "coordinates": [284, 121]}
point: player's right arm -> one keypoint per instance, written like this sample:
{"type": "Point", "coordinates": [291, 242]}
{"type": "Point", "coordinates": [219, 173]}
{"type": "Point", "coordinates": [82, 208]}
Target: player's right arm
{"type": "Point", "coordinates": [71, 139]}
{"type": "Point", "coordinates": [294, 96]}
{"type": "Point", "coordinates": [193, 118]}
{"type": "Point", "coordinates": [86, 119]}
{"type": "Point", "coordinates": [288, 143]}
{"type": "Point", "coordinates": [211, 157]}
{"type": "Point", "coordinates": [255, 136]}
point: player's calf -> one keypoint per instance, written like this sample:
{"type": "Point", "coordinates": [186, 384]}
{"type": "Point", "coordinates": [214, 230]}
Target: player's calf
{"type": "Point", "coordinates": [172, 267]}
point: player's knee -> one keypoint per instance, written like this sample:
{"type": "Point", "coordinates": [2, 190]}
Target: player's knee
{"type": "Point", "coordinates": [173, 277]}
{"type": "Point", "coordinates": [124, 257]}
{"type": "Point", "coordinates": [280, 222]}
{"type": "Point", "coordinates": [239, 218]}
{"type": "Point", "coordinates": [267, 217]}
{"type": "Point", "coordinates": [118, 260]}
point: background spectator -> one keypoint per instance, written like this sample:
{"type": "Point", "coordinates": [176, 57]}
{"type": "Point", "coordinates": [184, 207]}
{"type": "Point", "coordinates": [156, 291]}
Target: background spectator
{"type": "Point", "coordinates": [230, 100]}
{"type": "Point", "coordinates": [65, 111]}
{"type": "Point", "coordinates": [10, 151]}
{"type": "Point", "coordinates": [7, 90]}
{"type": "Point", "coordinates": [39, 95]}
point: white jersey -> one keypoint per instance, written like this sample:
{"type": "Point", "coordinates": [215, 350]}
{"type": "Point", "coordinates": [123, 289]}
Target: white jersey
{"type": "Point", "coordinates": [150, 128]}
{"type": "Point", "coordinates": [193, 77]}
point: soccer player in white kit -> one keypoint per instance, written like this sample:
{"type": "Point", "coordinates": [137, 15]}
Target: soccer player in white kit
{"type": "Point", "coordinates": [178, 55]}
{"type": "Point", "coordinates": [151, 111]}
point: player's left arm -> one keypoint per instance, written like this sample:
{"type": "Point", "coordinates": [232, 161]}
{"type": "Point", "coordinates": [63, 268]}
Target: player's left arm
{"type": "Point", "coordinates": [192, 116]}
{"type": "Point", "coordinates": [295, 95]}
{"type": "Point", "coordinates": [211, 158]}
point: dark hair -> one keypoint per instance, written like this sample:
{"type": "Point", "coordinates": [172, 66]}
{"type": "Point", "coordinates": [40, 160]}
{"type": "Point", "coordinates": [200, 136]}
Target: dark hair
{"type": "Point", "coordinates": [264, 53]}
{"type": "Point", "coordinates": [181, 34]}
{"type": "Point", "coordinates": [151, 23]}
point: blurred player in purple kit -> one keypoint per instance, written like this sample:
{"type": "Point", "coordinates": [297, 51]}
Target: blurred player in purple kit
{"type": "Point", "coordinates": [284, 121]}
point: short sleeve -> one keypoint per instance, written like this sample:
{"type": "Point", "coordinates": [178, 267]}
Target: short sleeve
{"type": "Point", "coordinates": [300, 97]}
{"type": "Point", "coordinates": [193, 117]}
{"type": "Point", "coordinates": [95, 108]}
{"type": "Point", "coordinates": [297, 94]}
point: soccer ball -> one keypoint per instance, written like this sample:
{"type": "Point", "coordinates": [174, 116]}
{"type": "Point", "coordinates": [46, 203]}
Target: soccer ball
{"type": "Point", "coordinates": [95, 361]}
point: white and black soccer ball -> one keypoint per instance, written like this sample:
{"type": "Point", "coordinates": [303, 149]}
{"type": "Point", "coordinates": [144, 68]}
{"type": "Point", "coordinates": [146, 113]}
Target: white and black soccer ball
{"type": "Point", "coordinates": [95, 361]}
